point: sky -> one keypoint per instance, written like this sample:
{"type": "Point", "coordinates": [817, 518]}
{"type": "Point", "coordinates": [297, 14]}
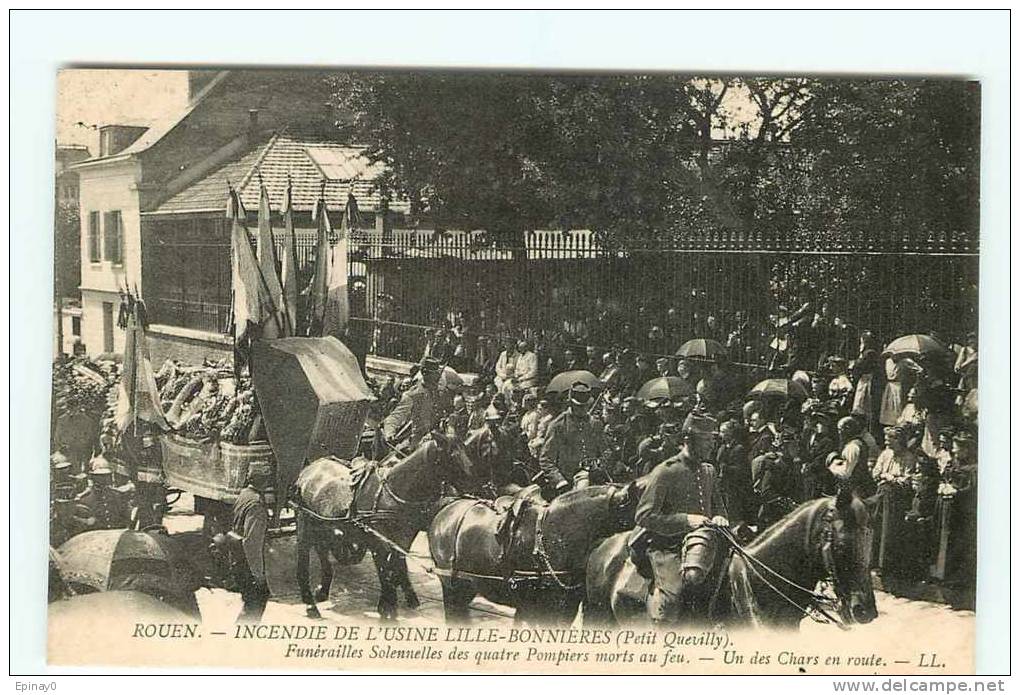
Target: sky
{"type": "Point", "coordinates": [107, 97]}
{"type": "Point", "coordinates": [87, 98]}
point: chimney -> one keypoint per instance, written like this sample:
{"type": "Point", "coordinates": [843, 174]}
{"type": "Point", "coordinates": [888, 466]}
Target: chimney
{"type": "Point", "coordinates": [253, 119]}
{"type": "Point", "coordinates": [116, 138]}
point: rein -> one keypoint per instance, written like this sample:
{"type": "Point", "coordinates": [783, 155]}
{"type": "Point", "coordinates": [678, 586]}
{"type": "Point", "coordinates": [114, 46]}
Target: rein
{"type": "Point", "coordinates": [817, 603]}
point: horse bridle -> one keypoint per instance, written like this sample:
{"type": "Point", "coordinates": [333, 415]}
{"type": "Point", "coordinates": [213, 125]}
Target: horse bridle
{"type": "Point", "coordinates": [818, 604]}
{"type": "Point", "coordinates": [384, 485]}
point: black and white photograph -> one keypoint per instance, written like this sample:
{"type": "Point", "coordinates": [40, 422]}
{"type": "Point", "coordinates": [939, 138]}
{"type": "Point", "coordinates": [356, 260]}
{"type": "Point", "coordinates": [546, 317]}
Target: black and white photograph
{"type": "Point", "coordinates": [425, 369]}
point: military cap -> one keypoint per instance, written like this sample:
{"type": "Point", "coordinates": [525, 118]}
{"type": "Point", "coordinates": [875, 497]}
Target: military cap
{"type": "Point", "coordinates": [430, 365]}
{"type": "Point", "coordinates": [62, 467]}
{"type": "Point", "coordinates": [98, 463]}
{"type": "Point", "coordinates": [57, 458]}
{"type": "Point", "coordinates": [64, 492]}
{"type": "Point", "coordinates": [700, 424]}
{"type": "Point", "coordinates": [580, 393]}
{"type": "Point", "coordinates": [493, 413]}
{"type": "Point", "coordinates": [101, 472]}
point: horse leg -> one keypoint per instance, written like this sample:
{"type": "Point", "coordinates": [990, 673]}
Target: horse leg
{"type": "Point", "coordinates": [596, 614]}
{"type": "Point", "coordinates": [457, 594]}
{"type": "Point", "coordinates": [404, 582]}
{"type": "Point", "coordinates": [387, 605]}
{"type": "Point", "coordinates": [304, 540]}
{"type": "Point", "coordinates": [326, 566]}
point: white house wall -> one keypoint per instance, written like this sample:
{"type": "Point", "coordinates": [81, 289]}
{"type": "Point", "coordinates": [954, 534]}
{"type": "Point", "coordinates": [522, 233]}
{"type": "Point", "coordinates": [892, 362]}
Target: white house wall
{"type": "Point", "coordinates": [104, 188]}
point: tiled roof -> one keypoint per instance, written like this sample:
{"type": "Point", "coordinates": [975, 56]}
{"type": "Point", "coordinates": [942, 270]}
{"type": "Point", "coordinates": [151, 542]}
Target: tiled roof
{"type": "Point", "coordinates": [304, 158]}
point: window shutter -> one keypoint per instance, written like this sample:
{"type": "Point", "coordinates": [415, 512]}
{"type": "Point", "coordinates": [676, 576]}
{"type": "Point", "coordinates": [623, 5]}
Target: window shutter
{"type": "Point", "coordinates": [114, 238]}
{"type": "Point", "coordinates": [95, 252]}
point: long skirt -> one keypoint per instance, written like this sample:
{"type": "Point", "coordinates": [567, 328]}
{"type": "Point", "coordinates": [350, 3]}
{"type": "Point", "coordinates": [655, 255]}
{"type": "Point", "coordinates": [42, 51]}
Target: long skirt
{"type": "Point", "coordinates": [892, 403]}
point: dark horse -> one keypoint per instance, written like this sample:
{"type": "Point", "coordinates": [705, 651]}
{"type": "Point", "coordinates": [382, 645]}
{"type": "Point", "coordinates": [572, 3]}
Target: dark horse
{"type": "Point", "coordinates": [395, 501]}
{"type": "Point", "coordinates": [827, 539]}
{"type": "Point", "coordinates": [533, 560]}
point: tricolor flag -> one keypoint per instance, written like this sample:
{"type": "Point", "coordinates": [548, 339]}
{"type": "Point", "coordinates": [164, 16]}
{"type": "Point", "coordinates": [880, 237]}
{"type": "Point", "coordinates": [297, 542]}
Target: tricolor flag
{"type": "Point", "coordinates": [266, 253]}
{"type": "Point", "coordinates": [289, 272]}
{"type": "Point", "coordinates": [138, 396]}
{"type": "Point", "coordinates": [338, 308]}
{"type": "Point", "coordinates": [251, 305]}
{"type": "Point", "coordinates": [318, 290]}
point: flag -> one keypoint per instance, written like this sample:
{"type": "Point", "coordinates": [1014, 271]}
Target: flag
{"type": "Point", "coordinates": [251, 305]}
{"type": "Point", "coordinates": [338, 308]}
{"type": "Point", "coordinates": [138, 396]}
{"type": "Point", "coordinates": [317, 290]}
{"type": "Point", "coordinates": [290, 267]}
{"type": "Point", "coordinates": [266, 253]}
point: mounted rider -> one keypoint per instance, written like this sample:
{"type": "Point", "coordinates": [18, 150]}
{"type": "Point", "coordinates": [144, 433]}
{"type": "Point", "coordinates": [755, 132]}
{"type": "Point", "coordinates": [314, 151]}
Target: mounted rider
{"type": "Point", "coordinates": [492, 446]}
{"type": "Point", "coordinates": [572, 443]}
{"type": "Point", "coordinates": [682, 496]}
{"type": "Point", "coordinates": [418, 411]}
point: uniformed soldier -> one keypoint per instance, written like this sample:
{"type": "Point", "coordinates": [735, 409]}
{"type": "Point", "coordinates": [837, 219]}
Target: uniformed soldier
{"type": "Point", "coordinates": [63, 523]}
{"type": "Point", "coordinates": [418, 411]}
{"type": "Point", "coordinates": [108, 507]}
{"type": "Point", "coordinates": [489, 448]}
{"type": "Point", "coordinates": [251, 521]}
{"type": "Point", "coordinates": [653, 450]}
{"type": "Point", "coordinates": [681, 497]}
{"type": "Point", "coordinates": [572, 443]}
{"type": "Point", "coordinates": [61, 475]}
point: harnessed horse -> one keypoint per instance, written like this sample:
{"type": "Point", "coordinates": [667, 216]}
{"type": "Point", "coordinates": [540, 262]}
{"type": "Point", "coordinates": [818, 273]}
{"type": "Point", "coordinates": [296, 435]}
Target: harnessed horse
{"type": "Point", "coordinates": [533, 560]}
{"type": "Point", "coordinates": [393, 501]}
{"type": "Point", "coordinates": [771, 581]}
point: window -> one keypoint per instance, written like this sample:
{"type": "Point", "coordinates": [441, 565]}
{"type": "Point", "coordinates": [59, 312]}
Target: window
{"type": "Point", "coordinates": [342, 164]}
{"type": "Point", "coordinates": [76, 326]}
{"type": "Point", "coordinates": [95, 253]}
{"type": "Point", "coordinates": [114, 237]}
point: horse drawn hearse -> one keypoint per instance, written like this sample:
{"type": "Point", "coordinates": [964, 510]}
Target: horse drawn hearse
{"type": "Point", "coordinates": [313, 400]}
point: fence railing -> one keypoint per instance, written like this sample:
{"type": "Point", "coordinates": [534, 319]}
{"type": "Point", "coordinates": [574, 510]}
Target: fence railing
{"type": "Point", "coordinates": [574, 288]}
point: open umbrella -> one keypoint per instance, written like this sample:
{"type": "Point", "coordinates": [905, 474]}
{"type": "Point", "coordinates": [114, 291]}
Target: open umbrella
{"type": "Point", "coordinates": [76, 615]}
{"type": "Point", "coordinates": [665, 387]}
{"type": "Point", "coordinates": [562, 382]}
{"type": "Point", "coordinates": [778, 388]}
{"type": "Point", "coordinates": [913, 344]}
{"type": "Point", "coordinates": [98, 559]}
{"type": "Point", "coordinates": [702, 348]}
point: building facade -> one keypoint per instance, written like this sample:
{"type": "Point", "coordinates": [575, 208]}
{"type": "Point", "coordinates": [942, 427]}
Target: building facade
{"type": "Point", "coordinates": [140, 168]}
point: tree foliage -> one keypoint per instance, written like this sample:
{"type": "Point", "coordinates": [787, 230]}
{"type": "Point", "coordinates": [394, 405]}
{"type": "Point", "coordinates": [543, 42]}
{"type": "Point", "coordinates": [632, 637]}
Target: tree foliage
{"type": "Point", "coordinates": [662, 156]}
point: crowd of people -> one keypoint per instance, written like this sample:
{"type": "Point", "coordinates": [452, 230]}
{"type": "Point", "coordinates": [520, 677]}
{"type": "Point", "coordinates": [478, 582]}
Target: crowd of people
{"type": "Point", "coordinates": [896, 426]}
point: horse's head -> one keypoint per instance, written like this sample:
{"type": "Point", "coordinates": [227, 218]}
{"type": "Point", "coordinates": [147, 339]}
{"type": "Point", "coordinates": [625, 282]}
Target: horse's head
{"type": "Point", "coordinates": [451, 460]}
{"type": "Point", "coordinates": [846, 551]}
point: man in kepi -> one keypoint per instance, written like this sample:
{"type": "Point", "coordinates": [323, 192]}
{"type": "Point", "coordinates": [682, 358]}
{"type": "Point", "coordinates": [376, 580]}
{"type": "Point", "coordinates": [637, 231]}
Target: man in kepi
{"type": "Point", "coordinates": [251, 520]}
{"type": "Point", "coordinates": [418, 411]}
{"type": "Point", "coordinates": [682, 496]}
{"type": "Point", "coordinates": [572, 443]}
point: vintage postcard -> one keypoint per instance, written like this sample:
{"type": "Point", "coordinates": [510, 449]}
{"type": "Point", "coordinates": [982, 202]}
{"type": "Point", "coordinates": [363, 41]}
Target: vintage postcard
{"type": "Point", "coordinates": [515, 372]}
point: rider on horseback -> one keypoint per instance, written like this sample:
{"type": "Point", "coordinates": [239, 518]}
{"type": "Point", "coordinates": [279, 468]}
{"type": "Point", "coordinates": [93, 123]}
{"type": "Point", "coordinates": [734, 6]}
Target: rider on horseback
{"type": "Point", "coordinates": [572, 443]}
{"type": "Point", "coordinates": [682, 496]}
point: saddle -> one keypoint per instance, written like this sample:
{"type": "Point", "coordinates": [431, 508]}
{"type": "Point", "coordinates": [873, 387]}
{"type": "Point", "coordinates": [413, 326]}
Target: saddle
{"type": "Point", "coordinates": [511, 509]}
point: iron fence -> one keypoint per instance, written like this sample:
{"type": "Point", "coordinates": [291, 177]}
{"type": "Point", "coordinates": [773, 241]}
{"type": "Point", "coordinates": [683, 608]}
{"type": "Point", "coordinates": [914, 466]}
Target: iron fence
{"type": "Point", "coordinates": [571, 289]}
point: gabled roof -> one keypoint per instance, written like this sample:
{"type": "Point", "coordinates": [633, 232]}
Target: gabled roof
{"type": "Point", "coordinates": [307, 159]}
{"type": "Point", "coordinates": [159, 129]}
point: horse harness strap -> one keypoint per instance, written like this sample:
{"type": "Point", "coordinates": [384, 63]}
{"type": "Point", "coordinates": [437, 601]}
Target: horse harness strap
{"type": "Point", "coordinates": [544, 556]}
